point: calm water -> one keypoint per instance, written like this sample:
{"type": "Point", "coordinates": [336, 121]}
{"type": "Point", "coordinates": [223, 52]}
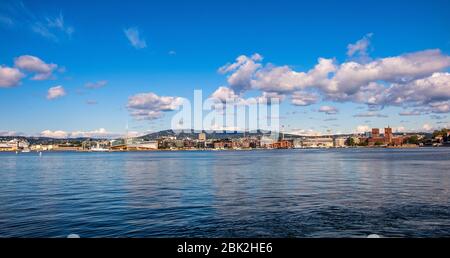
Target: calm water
{"type": "Point", "coordinates": [285, 193]}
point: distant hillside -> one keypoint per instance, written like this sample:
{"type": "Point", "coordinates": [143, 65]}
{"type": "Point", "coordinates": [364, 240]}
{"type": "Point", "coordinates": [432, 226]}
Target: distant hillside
{"type": "Point", "coordinates": [231, 135]}
{"type": "Point", "coordinates": [46, 140]}
{"type": "Point", "coordinates": [182, 135]}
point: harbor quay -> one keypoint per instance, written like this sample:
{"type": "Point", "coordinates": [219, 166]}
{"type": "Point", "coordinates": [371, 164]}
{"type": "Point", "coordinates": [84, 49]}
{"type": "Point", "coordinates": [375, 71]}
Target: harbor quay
{"type": "Point", "coordinates": [236, 141]}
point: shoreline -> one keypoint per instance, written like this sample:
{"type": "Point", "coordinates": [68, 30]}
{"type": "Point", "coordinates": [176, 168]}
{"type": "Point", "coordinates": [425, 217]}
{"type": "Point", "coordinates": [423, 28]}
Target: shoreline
{"type": "Point", "coordinates": [219, 150]}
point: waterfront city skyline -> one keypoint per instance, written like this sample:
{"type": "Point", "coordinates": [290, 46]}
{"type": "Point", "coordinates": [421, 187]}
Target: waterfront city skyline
{"type": "Point", "coordinates": [66, 71]}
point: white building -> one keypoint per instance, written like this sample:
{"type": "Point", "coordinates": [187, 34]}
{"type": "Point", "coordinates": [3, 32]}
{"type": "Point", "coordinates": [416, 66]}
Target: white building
{"type": "Point", "coordinates": [339, 142]}
{"type": "Point", "coordinates": [144, 145]}
{"type": "Point", "coordinates": [202, 137]}
{"type": "Point", "coordinates": [322, 142]}
{"type": "Point", "coordinates": [298, 143]}
{"type": "Point", "coordinates": [13, 145]}
{"type": "Point", "coordinates": [266, 141]}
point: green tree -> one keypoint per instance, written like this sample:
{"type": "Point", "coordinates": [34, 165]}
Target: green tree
{"type": "Point", "coordinates": [443, 132]}
{"type": "Point", "coordinates": [378, 143]}
{"type": "Point", "coordinates": [350, 141]}
{"type": "Point", "coordinates": [363, 143]}
{"type": "Point", "coordinates": [413, 140]}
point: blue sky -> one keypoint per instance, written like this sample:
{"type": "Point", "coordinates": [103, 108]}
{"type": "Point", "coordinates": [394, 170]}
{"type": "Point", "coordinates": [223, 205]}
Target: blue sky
{"type": "Point", "coordinates": [181, 45]}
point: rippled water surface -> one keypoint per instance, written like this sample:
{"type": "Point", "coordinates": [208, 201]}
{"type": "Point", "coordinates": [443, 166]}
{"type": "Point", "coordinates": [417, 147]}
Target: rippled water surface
{"type": "Point", "coordinates": [279, 193]}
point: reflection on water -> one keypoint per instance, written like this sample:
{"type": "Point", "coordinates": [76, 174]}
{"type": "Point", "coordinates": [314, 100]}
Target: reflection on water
{"type": "Point", "coordinates": [283, 193]}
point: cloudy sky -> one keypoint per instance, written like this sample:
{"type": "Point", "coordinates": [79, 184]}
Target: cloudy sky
{"type": "Point", "coordinates": [90, 68]}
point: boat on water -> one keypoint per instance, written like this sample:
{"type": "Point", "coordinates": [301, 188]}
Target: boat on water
{"type": "Point", "coordinates": [95, 149]}
{"type": "Point", "coordinates": [99, 149]}
{"type": "Point", "coordinates": [25, 151]}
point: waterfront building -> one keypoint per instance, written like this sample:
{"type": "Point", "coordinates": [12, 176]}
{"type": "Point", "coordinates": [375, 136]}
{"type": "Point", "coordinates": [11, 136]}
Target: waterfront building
{"type": "Point", "coordinates": [339, 142]}
{"type": "Point", "coordinates": [223, 144]}
{"type": "Point", "coordinates": [169, 142]}
{"type": "Point", "coordinates": [255, 143]}
{"type": "Point", "coordinates": [388, 136]}
{"type": "Point", "coordinates": [297, 143]}
{"type": "Point", "coordinates": [66, 147]}
{"type": "Point", "coordinates": [241, 143]}
{"type": "Point", "coordinates": [358, 140]}
{"type": "Point", "coordinates": [14, 145]}
{"type": "Point", "coordinates": [376, 138]}
{"type": "Point", "coordinates": [135, 144]}
{"type": "Point", "coordinates": [202, 136]}
{"type": "Point", "coordinates": [375, 133]}
{"type": "Point", "coordinates": [118, 144]}
{"type": "Point", "coordinates": [23, 144]}
{"type": "Point", "coordinates": [282, 144]}
{"type": "Point", "coordinates": [179, 144]}
{"type": "Point", "coordinates": [245, 143]}
{"type": "Point", "coordinates": [188, 143]}
{"type": "Point", "coordinates": [387, 139]}
{"type": "Point", "coordinates": [199, 144]}
{"type": "Point", "coordinates": [318, 142]}
{"type": "Point", "coordinates": [266, 141]}
{"type": "Point", "coordinates": [209, 144]}
{"type": "Point", "coordinates": [8, 146]}
{"type": "Point", "coordinates": [143, 145]}
{"type": "Point", "coordinates": [90, 144]}
{"type": "Point", "coordinates": [41, 147]}
{"type": "Point", "coordinates": [169, 138]}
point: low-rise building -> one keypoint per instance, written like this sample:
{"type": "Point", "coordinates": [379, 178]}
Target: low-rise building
{"type": "Point", "coordinates": [266, 141]}
{"type": "Point", "coordinates": [339, 142]}
{"type": "Point", "coordinates": [223, 144]}
{"type": "Point", "coordinates": [14, 145]}
{"type": "Point", "coordinates": [297, 143]}
{"type": "Point", "coordinates": [143, 145]}
{"type": "Point", "coordinates": [282, 144]}
{"type": "Point", "coordinates": [8, 146]}
{"type": "Point", "coordinates": [202, 137]}
{"type": "Point", "coordinates": [241, 143]}
{"type": "Point", "coordinates": [358, 140]}
{"type": "Point", "coordinates": [387, 139]}
{"type": "Point", "coordinates": [318, 142]}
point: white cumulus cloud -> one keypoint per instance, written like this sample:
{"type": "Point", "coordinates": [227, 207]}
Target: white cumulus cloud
{"type": "Point", "coordinates": [360, 48]}
{"type": "Point", "coordinates": [302, 98]}
{"type": "Point", "coordinates": [10, 133]}
{"type": "Point", "coordinates": [56, 92]}
{"type": "Point", "coordinates": [149, 106]}
{"type": "Point", "coordinates": [242, 71]}
{"type": "Point", "coordinates": [224, 93]}
{"type": "Point", "coordinates": [10, 77]}
{"type": "Point", "coordinates": [329, 110]}
{"type": "Point", "coordinates": [33, 64]}
{"type": "Point", "coordinates": [135, 38]}
{"type": "Point", "coordinates": [98, 133]}
{"type": "Point", "coordinates": [410, 113]}
{"type": "Point", "coordinates": [411, 79]}
{"type": "Point", "coordinates": [427, 127]}
{"type": "Point", "coordinates": [362, 128]}
{"type": "Point", "coordinates": [304, 132]}
{"type": "Point", "coordinates": [54, 134]}
{"type": "Point", "coordinates": [370, 114]}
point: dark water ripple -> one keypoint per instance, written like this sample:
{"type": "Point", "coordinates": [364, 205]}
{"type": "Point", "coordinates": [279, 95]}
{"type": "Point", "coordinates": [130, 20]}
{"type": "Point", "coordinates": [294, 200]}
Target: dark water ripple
{"type": "Point", "coordinates": [292, 193]}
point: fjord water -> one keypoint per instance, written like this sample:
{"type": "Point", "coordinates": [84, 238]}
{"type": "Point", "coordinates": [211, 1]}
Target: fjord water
{"type": "Point", "coordinates": [270, 193]}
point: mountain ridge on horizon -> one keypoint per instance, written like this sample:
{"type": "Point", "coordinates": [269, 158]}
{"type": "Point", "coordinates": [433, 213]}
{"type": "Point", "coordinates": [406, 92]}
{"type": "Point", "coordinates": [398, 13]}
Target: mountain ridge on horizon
{"type": "Point", "coordinates": [193, 134]}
